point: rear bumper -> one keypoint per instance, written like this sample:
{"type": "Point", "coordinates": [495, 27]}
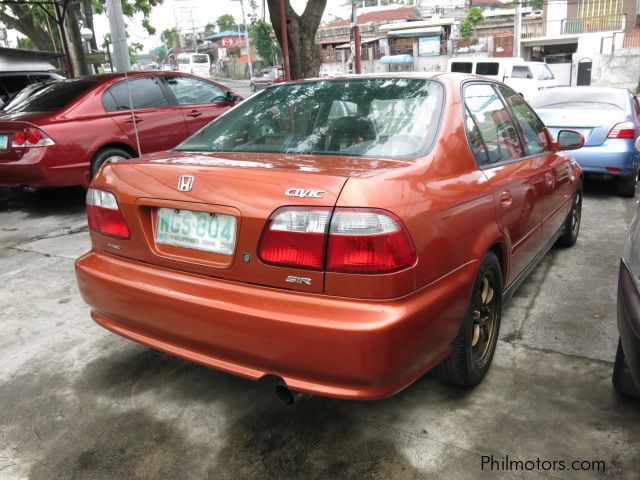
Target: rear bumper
{"type": "Point", "coordinates": [32, 170]}
{"type": "Point", "coordinates": [614, 153]}
{"type": "Point", "coordinates": [629, 320]}
{"type": "Point", "coordinates": [331, 346]}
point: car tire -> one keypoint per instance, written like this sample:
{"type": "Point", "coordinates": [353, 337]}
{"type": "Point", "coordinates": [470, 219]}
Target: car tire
{"type": "Point", "coordinates": [622, 380]}
{"type": "Point", "coordinates": [106, 155]}
{"type": "Point", "coordinates": [626, 186]}
{"type": "Point", "coordinates": [571, 225]}
{"type": "Point", "coordinates": [475, 344]}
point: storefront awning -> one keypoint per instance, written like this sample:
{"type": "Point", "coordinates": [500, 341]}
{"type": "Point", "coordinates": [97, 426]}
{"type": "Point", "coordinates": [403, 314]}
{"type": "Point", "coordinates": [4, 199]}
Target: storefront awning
{"type": "Point", "coordinates": [416, 32]}
{"type": "Point", "coordinates": [394, 59]}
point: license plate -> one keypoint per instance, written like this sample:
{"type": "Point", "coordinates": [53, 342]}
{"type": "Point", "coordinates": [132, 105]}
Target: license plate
{"type": "Point", "coordinates": [4, 142]}
{"type": "Point", "coordinates": [211, 232]}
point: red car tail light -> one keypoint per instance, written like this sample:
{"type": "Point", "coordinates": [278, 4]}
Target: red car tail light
{"type": "Point", "coordinates": [623, 130]}
{"type": "Point", "coordinates": [104, 214]}
{"type": "Point", "coordinates": [31, 137]}
{"type": "Point", "coordinates": [363, 240]}
{"type": "Point", "coordinates": [295, 237]}
{"type": "Point", "coordinates": [359, 240]}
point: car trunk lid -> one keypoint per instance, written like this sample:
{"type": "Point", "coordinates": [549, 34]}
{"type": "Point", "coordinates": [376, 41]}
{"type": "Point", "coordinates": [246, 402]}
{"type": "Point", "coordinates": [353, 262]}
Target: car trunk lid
{"type": "Point", "coordinates": [242, 189]}
{"type": "Point", "coordinates": [595, 125]}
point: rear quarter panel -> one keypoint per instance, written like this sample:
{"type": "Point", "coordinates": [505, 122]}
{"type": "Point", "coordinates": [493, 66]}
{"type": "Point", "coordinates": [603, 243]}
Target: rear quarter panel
{"type": "Point", "coordinates": [446, 204]}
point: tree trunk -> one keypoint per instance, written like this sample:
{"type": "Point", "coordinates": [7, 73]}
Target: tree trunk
{"type": "Point", "coordinates": [76, 46]}
{"type": "Point", "coordinates": [304, 54]}
{"type": "Point", "coordinates": [22, 20]}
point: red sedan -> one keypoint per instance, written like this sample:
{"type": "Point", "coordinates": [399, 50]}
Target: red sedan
{"type": "Point", "coordinates": [62, 135]}
{"type": "Point", "coordinates": [344, 236]}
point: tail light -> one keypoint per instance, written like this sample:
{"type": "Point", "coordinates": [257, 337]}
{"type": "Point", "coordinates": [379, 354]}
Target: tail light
{"type": "Point", "coordinates": [295, 236]}
{"type": "Point", "coordinates": [368, 241]}
{"type": "Point", "coordinates": [104, 214]}
{"type": "Point", "coordinates": [623, 130]}
{"type": "Point", "coordinates": [31, 137]}
{"type": "Point", "coordinates": [353, 240]}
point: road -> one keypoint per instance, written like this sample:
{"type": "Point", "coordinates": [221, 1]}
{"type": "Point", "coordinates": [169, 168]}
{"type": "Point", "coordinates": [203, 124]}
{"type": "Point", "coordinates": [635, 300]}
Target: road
{"type": "Point", "coordinates": [79, 402]}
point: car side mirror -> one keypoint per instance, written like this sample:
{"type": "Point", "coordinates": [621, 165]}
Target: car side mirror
{"type": "Point", "coordinates": [570, 140]}
{"type": "Point", "coordinates": [232, 97]}
{"type": "Point", "coordinates": [530, 76]}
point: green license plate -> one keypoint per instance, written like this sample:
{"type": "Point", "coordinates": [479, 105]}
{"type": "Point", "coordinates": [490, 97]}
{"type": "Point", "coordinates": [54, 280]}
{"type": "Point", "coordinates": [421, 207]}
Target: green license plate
{"type": "Point", "coordinates": [4, 142]}
{"type": "Point", "coordinates": [211, 232]}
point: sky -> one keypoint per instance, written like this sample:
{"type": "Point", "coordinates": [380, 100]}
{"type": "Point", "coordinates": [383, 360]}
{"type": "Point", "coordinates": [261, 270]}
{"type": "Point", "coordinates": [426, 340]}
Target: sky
{"type": "Point", "coordinates": [200, 12]}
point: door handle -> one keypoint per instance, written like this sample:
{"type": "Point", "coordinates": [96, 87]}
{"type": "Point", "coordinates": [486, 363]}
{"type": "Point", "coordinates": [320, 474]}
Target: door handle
{"type": "Point", "coordinates": [506, 199]}
{"type": "Point", "coordinates": [136, 118]}
{"type": "Point", "coordinates": [194, 114]}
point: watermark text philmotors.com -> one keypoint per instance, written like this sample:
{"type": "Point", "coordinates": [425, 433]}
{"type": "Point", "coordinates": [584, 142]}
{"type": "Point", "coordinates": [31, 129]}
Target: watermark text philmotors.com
{"type": "Point", "coordinates": [508, 464]}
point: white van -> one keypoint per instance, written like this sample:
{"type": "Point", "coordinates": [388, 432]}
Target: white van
{"type": "Point", "coordinates": [526, 78]}
{"type": "Point", "coordinates": [196, 63]}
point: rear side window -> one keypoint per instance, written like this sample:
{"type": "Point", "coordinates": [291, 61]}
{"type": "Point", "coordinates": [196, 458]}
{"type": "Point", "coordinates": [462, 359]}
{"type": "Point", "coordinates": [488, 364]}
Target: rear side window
{"type": "Point", "coordinates": [145, 93]}
{"type": "Point", "coordinates": [487, 68]}
{"type": "Point", "coordinates": [494, 123]}
{"type": "Point", "coordinates": [461, 67]}
{"type": "Point", "coordinates": [55, 96]}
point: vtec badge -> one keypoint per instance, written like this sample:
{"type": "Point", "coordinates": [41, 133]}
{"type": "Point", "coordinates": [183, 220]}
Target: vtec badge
{"type": "Point", "coordinates": [304, 193]}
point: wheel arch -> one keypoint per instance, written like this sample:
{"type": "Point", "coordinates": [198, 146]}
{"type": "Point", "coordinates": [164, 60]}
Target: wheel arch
{"type": "Point", "coordinates": [122, 146]}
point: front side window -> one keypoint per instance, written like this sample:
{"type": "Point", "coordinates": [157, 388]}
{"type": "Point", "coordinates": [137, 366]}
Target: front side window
{"type": "Point", "coordinates": [392, 118]}
{"type": "Point", "coordinates": [191, 91]}
{"type": "Point", "coordinates": [521, 71]}
{"type": "Point", "coordinates": [200, 59]}
{"type": "Point", "coordinates": [494, 123]}
{"type": "Point", "coordinates": [145, 93]}
{"type": "Point", "coordinates": [530, 126]}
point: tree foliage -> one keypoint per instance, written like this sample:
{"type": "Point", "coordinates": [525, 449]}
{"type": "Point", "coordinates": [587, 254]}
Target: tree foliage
{"type": "Point", "coordinates": [468, 25]}
{"type": "Point", "coordinates": [226, 22]}
{"type": "Point", "coordinates": [131, 8]}
{"type": "Point", "coordinates": [170, 38]}
{"type": "Point", "coordinates": [261, 38]}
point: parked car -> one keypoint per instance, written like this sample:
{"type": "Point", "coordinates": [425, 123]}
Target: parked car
{"type": "Point", "coordinates": [267, 76]}
{"type": "Point", "coordinates": [195, 63]}
{"type": "Point", "coordinates": [11, 83]}
{"type": "Point", "coordinates": [609, 119]}
{"type": "Point", "coordinates": [25, 93]}
{"type": "Point", "coordinates": [61, 135]}
{"type": "Point", "coordinates": [626, 370]}
{"type": "Point", "coordinates": [526, 78]}
{"type": "Point", "coordinates": [342, 235]}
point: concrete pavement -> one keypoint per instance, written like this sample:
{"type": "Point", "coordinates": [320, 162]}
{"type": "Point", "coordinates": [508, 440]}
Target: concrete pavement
{"type": "Point", "coordinates": [79, 402]}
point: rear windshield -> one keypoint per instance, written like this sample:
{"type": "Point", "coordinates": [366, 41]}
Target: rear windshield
{"type": "Point", "coordinates": [564, 98]}
{"type": "Point", "coordinates": [387, 118]}
{"type": "Point", "coordinates": [200, 58]}
{"type": "Point", "coordinates": [56, 96]}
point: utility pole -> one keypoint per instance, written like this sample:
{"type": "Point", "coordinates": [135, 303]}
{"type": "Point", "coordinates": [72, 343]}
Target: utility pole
{"type": "Point", "coordinates": [118, 36]}
{"type": "Point", "coordinates": [517, 29]}
{"type": "Point", "coordinates": [357, 48]}
{"type": "Point", "coordinates": [246, 39]}
{"type": "Point", "coordinates": [285, 42]}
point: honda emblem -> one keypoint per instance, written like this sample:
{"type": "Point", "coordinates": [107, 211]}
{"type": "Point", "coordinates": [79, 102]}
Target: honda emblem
{"type": "Point", "coordinates": [185, 183]}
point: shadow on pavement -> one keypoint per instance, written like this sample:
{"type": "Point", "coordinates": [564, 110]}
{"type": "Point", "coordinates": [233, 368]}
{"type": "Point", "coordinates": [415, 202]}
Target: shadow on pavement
{"type": "Point", "coordinates": [42, 203]}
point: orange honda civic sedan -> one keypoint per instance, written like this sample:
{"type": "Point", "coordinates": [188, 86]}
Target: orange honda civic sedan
{"type": "Point", "coordinates": [343, 235]}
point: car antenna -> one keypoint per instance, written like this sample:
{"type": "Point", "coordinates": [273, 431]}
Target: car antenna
{"type": "Point", "coordinates": [133, 116]}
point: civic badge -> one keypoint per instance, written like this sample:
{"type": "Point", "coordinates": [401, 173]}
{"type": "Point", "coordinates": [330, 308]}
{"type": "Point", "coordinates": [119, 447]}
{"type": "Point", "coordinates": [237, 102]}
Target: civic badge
{"type": "Point", "coordinates": [185, 183]}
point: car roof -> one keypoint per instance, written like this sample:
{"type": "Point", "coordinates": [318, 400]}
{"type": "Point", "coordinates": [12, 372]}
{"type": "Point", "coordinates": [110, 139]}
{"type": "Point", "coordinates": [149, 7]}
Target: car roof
{"type": "Point", "coordinates": [446, 77]}
{"type": "Point", "coordinates": [103, 77]}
